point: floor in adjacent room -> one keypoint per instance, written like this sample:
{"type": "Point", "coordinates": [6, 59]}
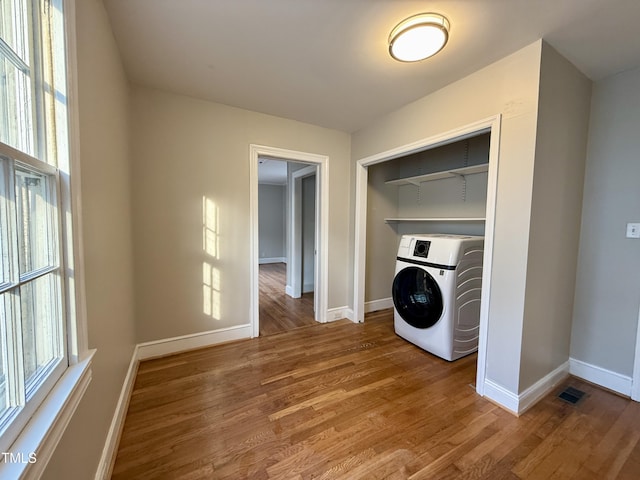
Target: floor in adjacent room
{"type": "Point", "coordinates": [354, 401]}
{"type": "Point", "coordinates": [278, 311]}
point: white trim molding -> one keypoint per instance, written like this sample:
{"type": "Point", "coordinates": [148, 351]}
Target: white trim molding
{"type": "Point", "coordinates": [339, 313]}
{"type": "Point", "coordinates": [380, 304]}
{"type": "Point", "coordinates": [294, 222]}
{"type": "Point", "coordinates": [45, 428]}
{"type": "Point", "coordinates": [495, 126]}
{"type": "Point", "coordinates": [501, 395]}
{"type": "Point", "coordinates": [360, 238]}
{"type": "Point", "coordinates": [542, 387]}
{"type": "Point", "coordinates": [601, 376]}
{"type": "Point", "coordinates": [322, 258]}
{"type": "Point", "coordinates": [169, 346]}
{"type": "Point", "coordinates": [519, 403]}
{"type": "Point", "coordinates": [265, 260]}
{"type": "Point", "coordinates": [78, 330]}
{"type": "Point", "coordinates": [110, 449]}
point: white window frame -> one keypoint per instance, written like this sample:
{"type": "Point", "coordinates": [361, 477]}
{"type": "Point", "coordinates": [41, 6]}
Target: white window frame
{"type": "Point", "coordinates": [30, 395]}
{"type": "Point", "coordinates": [38, 439]}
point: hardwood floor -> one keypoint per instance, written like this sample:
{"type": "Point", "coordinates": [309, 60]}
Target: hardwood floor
{"type": "Point", "coordinates": [278, 311]}
{"type": "Point", "coordinates": [354, 401]}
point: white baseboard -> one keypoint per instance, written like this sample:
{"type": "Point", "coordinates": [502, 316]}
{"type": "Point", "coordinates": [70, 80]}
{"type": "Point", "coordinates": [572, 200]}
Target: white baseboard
{"type": "Point", "coordinates": [500, 395]}
{"type": "Point", "coordinates": [348, 314]}
{"type": "Point", "coordinates": [148, 350]}
{"type": "Point", "coordinates": [542, 387]}
{"type": "Point", "coordinates": [380, 304]}
{"type": "Point", "coordinates": [288, 290]}
{"type": "Point", "coordinates": [169, 346]}
{"type": "Point", "coordinates": [109, 451]}
{"type": "Point", "coordinates": [265, 260]}
{"type": "Point", "coordinates": [519, 403]}
{"type": "Point", "coordinates": [339, 313]}
{"type": "Point", "coordinates": [601, 376]}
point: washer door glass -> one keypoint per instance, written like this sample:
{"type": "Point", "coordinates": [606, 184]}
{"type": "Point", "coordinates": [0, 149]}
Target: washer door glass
{"type": "Point", "coordinates": [417, 297]}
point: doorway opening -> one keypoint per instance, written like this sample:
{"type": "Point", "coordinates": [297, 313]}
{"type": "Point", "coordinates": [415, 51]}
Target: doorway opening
{"type": "Point", "coordinates": [287, 227]}
{"type": "Point", "coordinates": [289, 239]}
{"type": "Point", "coordinates": [489, 126]}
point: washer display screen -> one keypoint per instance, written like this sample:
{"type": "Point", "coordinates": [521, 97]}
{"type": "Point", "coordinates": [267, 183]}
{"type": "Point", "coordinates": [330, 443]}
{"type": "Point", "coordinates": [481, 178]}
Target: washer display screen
{"type": "Point", "coordinates": [417, 297]}
{"type": "Point", "coordinates": [422, 248]}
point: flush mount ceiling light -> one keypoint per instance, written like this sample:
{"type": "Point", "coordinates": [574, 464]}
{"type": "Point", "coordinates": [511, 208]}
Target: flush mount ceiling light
{"type": "Point", "coordinates": [418, 37]}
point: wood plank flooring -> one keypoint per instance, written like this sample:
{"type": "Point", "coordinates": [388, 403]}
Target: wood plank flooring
{"type": "Point", "coordinates": [354, 401]}
{"type": "Point", "coordinates": [278, 311]}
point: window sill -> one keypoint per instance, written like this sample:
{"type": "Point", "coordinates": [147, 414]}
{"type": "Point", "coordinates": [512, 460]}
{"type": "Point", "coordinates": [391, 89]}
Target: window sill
{"type": "Point", "coordinates": [32, 450]}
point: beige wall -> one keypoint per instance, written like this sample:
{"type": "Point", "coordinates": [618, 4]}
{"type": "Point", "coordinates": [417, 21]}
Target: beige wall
{"type": "Point", "coordinates": [186, 152]}
{"type": "Point", "coordinates": [607, 296]}
{"type": "Point", "coordinates": [563, 120]}
{"type": "Point", "coordinates": [508, 87]}
{"type": "Point", "coordinates": [104, 137]}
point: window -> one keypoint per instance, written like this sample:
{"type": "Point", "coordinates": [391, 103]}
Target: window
{"type": "Point", "coordinates": [31, 319]}
{"type": "Point", "coordinates": [36, 294]}
{"type": "Point", "coordinates": [16, 98]}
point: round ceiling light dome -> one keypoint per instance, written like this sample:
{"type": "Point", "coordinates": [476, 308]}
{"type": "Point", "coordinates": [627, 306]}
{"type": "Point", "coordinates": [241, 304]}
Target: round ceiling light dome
{"type": "Point", "coordinates": [418, 37]}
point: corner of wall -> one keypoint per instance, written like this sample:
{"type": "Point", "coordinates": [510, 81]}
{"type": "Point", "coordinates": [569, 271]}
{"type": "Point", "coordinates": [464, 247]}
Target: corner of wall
{"type": "Point", "coordinates": [556, 205]}
{"type": "Point", "coordinates": [605, 324]}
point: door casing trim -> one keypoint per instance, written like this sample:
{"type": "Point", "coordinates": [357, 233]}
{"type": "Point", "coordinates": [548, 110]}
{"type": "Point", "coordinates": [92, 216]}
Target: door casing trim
{"type": "Point", "coordinates": [490, 124]}
{"type": "Point", "coordinates": [322, 207]}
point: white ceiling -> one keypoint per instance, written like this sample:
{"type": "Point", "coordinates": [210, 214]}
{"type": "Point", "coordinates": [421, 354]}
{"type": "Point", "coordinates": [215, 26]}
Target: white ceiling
{"type": "Point", "coordinates": [272, 171]}
{"type": "Point", "coordinates": [325, 62]}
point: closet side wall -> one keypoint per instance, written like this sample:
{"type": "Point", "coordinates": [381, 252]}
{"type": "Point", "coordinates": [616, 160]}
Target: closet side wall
{"type": "Point", "coordinates": [382, 243]}
{"type": "Point", "coordinates": [563, 120]}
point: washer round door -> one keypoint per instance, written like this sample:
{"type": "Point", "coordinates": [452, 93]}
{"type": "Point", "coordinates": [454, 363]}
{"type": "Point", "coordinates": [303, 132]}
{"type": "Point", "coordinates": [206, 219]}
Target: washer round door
{"type": "Point", "coordinates": [417, 297]}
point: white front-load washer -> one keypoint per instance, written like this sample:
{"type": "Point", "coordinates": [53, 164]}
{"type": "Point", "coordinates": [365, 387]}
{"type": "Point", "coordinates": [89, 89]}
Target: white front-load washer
{"type": "Point", "coordinates": [436, 292]}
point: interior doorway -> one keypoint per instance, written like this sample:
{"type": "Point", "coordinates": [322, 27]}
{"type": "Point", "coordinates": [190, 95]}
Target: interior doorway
{"type": "Point", "coordinates": [288, 284]}
{"type": "Point", "coordinates": [287, 227]}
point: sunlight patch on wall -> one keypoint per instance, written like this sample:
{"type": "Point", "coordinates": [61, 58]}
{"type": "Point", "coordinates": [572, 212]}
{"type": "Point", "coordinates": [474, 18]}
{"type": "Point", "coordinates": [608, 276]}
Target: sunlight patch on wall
{"type": "Point", "coordinates": [210, 225]}
{"type": "Point", "coordinates": [211, 290]}
{"type": "Point", "coordinates": [211, 284]}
